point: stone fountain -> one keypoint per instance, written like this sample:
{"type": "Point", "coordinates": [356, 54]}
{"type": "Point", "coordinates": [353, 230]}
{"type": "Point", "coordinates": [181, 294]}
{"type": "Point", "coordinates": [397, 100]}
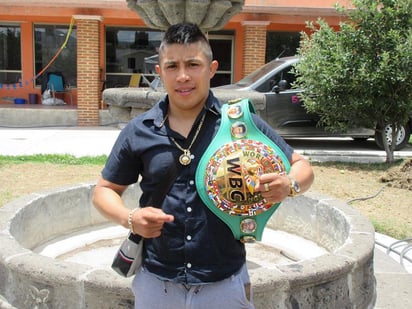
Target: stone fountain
{"type": "Point", "coordinates": [317, 252]}
{"type": "Point", "coordinates": [207, 14]}
{"type": "Point", "coordinates": [125, 103]}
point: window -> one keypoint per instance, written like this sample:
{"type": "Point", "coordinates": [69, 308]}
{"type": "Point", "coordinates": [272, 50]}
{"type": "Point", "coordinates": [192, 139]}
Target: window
{"type": "Point", "coordinates": [281, 44]}
{"type": "Point", "coordinates": [128, 51]}
{"type": "Point", "coordinates": [48, 40]}
{"type": "Point", "coordinates": [132, 50]}
{"type": "Point", "coordinates": [10, 54]}
{"type": "Point", "coordinates": [222, 47]}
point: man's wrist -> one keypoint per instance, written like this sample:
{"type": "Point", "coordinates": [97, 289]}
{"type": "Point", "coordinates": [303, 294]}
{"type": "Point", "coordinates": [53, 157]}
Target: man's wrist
{"type": "Point", "coordinates": [130, 220]}
{"type": "Point", "coordinates": [294, 187]}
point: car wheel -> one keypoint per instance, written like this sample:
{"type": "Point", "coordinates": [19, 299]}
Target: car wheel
{"type": "Point", "coordinates": [386, 133]}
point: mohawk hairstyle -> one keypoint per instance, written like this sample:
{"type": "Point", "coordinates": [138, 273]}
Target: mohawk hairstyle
{"type": "Point", "coordinates": [186, 33]}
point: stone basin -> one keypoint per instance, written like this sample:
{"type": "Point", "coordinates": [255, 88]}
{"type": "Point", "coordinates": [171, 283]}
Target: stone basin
{"type": "Point", "coordinates": [317, 252]}
{"type": "Point", "coordinates": [126, 103]}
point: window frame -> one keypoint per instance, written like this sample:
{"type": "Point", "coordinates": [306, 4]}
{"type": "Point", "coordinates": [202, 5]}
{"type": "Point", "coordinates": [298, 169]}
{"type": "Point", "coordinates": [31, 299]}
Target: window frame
{"type": "Point", "coordinates": [68, 67]}
{"type": "Point", "coordinates": [15, 71]}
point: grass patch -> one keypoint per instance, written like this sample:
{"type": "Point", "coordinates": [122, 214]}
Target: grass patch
{"type": "Point", "coordinates": [24, 175]}
{"type": "Point", "coordinates": [54, 159]}
{"type": "Point", "coordinates": [391, 228]}
{"type": "Point", "coordinates": [383, 166]}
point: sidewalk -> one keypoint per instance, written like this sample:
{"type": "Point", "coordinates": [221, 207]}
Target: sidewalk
{"type": "Point", "coordinates": [394, 282]}
{"type": "Point", "coordinates": [77, 141]}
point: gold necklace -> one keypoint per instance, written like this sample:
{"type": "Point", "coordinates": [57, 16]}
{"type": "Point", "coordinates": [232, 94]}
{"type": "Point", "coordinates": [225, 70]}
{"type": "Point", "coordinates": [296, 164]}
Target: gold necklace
{"type": "Point", "coordinates": [185, 158]}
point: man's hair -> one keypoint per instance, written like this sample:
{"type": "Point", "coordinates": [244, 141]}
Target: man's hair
{"type": "Point", "coordinates": [186, 33]}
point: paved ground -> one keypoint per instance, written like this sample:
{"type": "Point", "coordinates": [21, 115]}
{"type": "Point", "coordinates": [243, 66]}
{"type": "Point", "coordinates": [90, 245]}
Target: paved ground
{"type": "Point", "coordinates": [394, 281]}
{"type": "Point", "coordinates": [76, 141]}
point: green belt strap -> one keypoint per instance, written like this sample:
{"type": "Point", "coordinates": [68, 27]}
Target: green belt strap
{"type": "Point", "coordinates": [228, 170]}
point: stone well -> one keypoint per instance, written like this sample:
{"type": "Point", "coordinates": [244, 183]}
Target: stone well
{"type": "Point", "coordinates": [341, 277]}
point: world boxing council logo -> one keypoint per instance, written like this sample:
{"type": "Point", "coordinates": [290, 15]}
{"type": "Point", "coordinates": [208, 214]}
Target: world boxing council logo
{"type": "Point", "coordinates": [232, 173]}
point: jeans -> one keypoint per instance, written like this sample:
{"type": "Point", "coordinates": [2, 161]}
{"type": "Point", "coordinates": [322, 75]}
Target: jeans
{"type": "Point", "coordinates": [153, 293]}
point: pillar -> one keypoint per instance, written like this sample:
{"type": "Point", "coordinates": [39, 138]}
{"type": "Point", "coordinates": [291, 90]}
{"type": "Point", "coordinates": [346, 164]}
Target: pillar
{"type": "Point", "coordinates": [88, 73]}
{"type": "Point", "coordinates": [254, 45]}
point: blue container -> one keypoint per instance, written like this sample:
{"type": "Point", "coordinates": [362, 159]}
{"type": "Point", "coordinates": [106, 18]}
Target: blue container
{"type": "Point", "coordinates": [19, 101]}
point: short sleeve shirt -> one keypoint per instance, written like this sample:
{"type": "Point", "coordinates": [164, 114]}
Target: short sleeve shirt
{"type": "Point", "coordinates": [197, 247]}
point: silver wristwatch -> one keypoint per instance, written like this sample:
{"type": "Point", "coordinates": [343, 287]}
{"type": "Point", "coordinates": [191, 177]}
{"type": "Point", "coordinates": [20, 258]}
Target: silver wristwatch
{"type": "Point", "coordinates": [294, 187]}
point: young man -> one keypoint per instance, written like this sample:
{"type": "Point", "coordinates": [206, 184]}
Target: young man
{"type": "Point", "coordinates": [190, 259]}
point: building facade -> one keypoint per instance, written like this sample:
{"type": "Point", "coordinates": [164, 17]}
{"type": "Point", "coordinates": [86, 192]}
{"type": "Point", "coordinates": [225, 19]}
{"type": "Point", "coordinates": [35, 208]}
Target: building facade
{"type": "Point", "coordinates": [98, 44]}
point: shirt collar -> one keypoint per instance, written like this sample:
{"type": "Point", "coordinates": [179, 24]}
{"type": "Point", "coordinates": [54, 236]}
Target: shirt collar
{"type": "Point", "coordinates": [158, 113]}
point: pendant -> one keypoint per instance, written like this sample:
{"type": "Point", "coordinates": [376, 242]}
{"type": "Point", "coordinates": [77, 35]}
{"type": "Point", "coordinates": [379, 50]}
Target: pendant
{"type": "Point", "coordinates": [184, 158]}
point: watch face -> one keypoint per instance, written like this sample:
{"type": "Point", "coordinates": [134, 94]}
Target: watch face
{"type": "Point", "coordinates": [296, 186]}
{"type": "Point", "coordinates": [232, 173]}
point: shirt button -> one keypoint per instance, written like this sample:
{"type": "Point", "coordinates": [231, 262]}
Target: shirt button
{"type": "Point", "coordinates": [189, 209]}
{"type": "Point", "coordinates": [189, 265]}
{"type": "Point", "coordinates": [191, 182]}
{"type": "Point", "coordinates": [188, 237]}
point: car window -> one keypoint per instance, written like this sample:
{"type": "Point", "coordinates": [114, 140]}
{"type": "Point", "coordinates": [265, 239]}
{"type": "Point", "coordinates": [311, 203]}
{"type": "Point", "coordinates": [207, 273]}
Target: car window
{"type": "Point", "coordinates": [259, 73]}
{"type": "Point", "coordinates": [283, 75]}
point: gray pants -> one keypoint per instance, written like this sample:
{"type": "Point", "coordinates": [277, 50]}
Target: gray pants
{"type": "Point", "coordinates": [153, 293]}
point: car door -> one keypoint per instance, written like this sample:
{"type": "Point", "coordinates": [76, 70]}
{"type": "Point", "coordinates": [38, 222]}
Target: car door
{"type": "Point", "coordinates": [284, 109]}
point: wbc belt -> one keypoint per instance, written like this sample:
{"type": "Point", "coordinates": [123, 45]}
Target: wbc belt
{"type": "Point", "coordinates": [229, 169]}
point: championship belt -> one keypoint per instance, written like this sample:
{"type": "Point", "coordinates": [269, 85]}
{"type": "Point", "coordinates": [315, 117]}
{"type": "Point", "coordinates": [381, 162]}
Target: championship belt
{"type": "Point", "coordinates": [229, 169]}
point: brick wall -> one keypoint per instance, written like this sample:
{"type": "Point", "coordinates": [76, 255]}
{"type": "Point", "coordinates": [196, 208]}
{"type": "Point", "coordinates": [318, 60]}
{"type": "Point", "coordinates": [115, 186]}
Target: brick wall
{"type": "Point", "coordinates": [254, 45]}
{"type": "Point", "coordinates": [88, 74]}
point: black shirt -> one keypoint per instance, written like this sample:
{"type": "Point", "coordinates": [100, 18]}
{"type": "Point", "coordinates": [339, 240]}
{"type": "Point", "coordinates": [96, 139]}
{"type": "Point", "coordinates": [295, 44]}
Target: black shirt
{"type": "Point", "coordinates": [197, 247]}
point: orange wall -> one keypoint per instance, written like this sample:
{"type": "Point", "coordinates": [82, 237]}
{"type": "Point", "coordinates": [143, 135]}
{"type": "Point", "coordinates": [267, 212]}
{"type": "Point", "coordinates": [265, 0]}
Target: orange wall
{"type": "Point", "coordinates": [296, 3]}
{"type": "Point", "coordinates": [27, 49]}
{"type": "Point", "coordinates": [280, 18]}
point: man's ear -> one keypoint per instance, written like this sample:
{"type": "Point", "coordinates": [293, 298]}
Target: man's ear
{"type": "Point", "coordinates": [213, 68]}
{"type": "Point", "coordinates": [157, 69]}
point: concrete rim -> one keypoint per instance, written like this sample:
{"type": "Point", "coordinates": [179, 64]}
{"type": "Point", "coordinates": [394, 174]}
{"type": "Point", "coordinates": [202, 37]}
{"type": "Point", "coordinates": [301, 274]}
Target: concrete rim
{"type": "Point", "coordinates": [350, 261]}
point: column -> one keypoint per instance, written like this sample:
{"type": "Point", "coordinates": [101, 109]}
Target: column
{"type": "Point", "coordinates": [254, 45]}
{"type": "Point", "coordinates": [88, 74]}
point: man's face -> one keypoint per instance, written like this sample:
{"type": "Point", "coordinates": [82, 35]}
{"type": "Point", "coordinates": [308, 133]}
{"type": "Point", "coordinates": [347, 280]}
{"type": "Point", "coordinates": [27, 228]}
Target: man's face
{"type": "Point", "coordinates": [186, 72]}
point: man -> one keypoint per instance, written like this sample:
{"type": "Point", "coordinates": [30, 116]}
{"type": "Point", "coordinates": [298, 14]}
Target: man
{"type": "Point", "coordinates": [190, 259]}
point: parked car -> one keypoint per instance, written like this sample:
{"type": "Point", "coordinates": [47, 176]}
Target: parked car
{"type": "Point", "coordinates": [286, 113]}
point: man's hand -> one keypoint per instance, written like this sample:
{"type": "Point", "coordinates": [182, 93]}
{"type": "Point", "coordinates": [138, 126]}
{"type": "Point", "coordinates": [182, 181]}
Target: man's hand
{"type": "Point", "coordinates": [273, 187]}
{"type": "Point", "coordinates": [148, 221]}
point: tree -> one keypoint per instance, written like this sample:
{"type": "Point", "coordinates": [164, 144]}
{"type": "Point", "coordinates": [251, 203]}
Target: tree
{"type": "Point", "coordinates": [361, 74]}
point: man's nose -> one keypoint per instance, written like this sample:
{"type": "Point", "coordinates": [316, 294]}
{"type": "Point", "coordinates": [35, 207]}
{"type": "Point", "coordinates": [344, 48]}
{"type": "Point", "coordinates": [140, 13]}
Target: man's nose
{"type": "Point", "coordinates": [183, 74]}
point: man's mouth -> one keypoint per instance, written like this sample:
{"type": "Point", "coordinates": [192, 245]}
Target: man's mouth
{"type": "Point", "coordinates": [184, 90]}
